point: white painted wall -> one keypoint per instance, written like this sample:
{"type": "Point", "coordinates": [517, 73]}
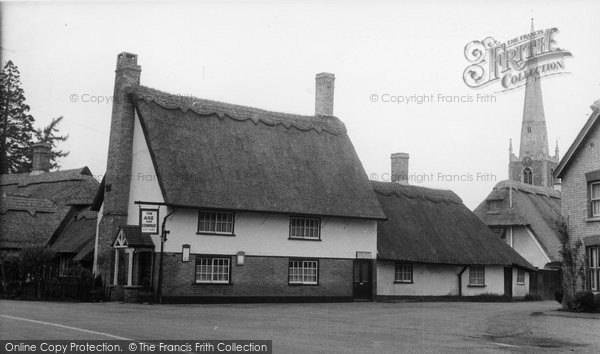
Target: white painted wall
{"type": "Point", "coordinates": [525, 243]}
{"type": "Point", "coordinates": [436, 280]}
{"type": "Point", "coordinates": [259, 234]}
{"type": "Point", "coordinates": [99, 218]}
{"type": "Point", "coordinates": [263, 234]}
{"type": "Point", "coordinates": [494, 282]}
{"type": "Point", "coordinates": [428, 279]}
{"type": "Point", "coordinates": [144, 182]}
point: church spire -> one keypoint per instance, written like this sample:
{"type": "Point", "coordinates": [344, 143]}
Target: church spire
{"type": "Point", "coordinates": [533, 129]}
{"type": "Point", "coordinates": [534, 165]}
{"type": "Point", "coordinates": [532, 25]}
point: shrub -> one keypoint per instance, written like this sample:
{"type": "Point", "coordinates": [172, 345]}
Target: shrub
{"type": "Point", "coordinates": [532, 297]}
{"type": "Point", "coordinates": [558, 295]}
{"type": "Point", "coordinates": [583, 301]}
{"type": "Point", "coordinates": [597, 302]}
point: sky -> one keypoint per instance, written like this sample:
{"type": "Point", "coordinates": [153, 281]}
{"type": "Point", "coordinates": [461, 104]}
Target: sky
{"type": "Point", "coordinates": [265, 54]}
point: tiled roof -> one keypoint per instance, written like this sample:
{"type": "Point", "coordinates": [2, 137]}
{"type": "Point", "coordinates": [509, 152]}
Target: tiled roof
{"type": "Point", "coordinates": [134, 237]}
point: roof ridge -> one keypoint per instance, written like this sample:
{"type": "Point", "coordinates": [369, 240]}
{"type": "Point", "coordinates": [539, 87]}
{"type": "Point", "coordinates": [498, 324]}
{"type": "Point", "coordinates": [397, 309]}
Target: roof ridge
{"type": "Point", "coordinates": [592, 120]}
{"type": "Point", "coordinates": [528, 188]}
{"type": "Point", "coordinates": [28, 174]}
{"type": "Point", "coordinates": [26, 178]}
{"type": "Point", "coordinates": [417, 192]}
{"type": "Point", "coordinates": [205, 107]}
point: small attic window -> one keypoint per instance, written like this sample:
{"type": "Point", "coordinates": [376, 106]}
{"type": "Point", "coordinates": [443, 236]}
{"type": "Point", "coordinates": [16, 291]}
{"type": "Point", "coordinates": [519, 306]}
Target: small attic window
{"type": "Point", "coordinates": [495, 205]}
{"type": "Point", "coordinates": [529, 129]}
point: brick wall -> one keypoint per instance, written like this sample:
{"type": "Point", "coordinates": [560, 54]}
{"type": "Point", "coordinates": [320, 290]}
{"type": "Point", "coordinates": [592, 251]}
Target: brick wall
{"type": "Point", "coordinates": [107, 230]}
{"type": "Point", "coordinates": [575, 189]}
{"type": "Point", "coordinates": [259, 277]}
{"type": "Point", "coordinates": [118, 167]}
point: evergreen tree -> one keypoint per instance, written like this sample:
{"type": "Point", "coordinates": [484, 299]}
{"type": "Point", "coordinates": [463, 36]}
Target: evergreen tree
{"type": "Point", "coordinates": [16, 124]}
{"type": "Point", "coordinates": [48, 135]}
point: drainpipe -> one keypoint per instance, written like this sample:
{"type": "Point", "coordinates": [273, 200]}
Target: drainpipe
{"type": "Point", "coordinates": [460, 280]}
{"type": "Point", "coordinates": [163, 238]}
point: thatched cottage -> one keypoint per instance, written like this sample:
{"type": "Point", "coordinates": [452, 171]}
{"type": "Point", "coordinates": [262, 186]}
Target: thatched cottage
{"type": "Point", "coordinates": [432, 245]}
{"type": "Point", "coordinates": [258, 205]}
{"type": "Point", "coordinates": [49, 209]}
{"type": "Point", "coordinates": [524, 216]}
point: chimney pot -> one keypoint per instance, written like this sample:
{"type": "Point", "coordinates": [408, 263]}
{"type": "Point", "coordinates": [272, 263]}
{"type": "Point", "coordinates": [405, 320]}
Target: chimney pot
{"type": "Point", "coordinates": [400, 167]}
{"type": "Point", "coordinates": [127, 59]}
{"type": "Point", "coordinates": [325, 83]}
{"type": "Point", "coordinates": [41, 157]}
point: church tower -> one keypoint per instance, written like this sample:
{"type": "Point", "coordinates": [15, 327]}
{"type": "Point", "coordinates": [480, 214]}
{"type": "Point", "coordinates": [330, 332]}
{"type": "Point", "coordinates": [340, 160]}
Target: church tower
{"type": "Point", "coordinates": [534, 165]}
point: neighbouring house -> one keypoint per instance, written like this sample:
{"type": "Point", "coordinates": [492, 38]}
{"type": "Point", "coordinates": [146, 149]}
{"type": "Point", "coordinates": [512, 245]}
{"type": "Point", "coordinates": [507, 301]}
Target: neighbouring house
{"type": "Point", "coordinates": [432, 245]}
{"type": "Point", "coordinates": [74, 245]}
{"type": "Point", "coordinates": [579, 172]}
{"type": "Point", "coordinates": [255, 205]}
{"type": "Point", "coordinates": [49, 209]}
{"type": "Point", "coordinates": [524, 216]}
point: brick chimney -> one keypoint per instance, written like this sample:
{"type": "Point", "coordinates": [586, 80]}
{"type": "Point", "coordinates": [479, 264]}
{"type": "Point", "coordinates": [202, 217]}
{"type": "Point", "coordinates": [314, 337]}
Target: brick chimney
{"type": "Point", "coordinates": [400, 167]}
{"type": "Point", "coordinates": [324, 94]}
{"type": "Point", "coordinates": [118, 166]}
{"type": "Point", "coordinates": [41, 157]}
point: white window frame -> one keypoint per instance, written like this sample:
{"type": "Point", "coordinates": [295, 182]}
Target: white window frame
{"type": "Point", "coordinates": [303, 228]}
{"type": "Point", "coordinates": [403, 273]}
{"type": "Point", "coordinates": [213, 270]}
{"type": "Point", "coordinates": [520, 277]}
{"type": "Point", "coordinates": [216, 222]}
{"type": "Point", "coordinates": [593, 253]}
{"type": "Point", "coordinates": [595, 200]}
{"type": "Point", "coordinates": [303, 272]}
{"type": "Point", "coordinates": [476, 275]}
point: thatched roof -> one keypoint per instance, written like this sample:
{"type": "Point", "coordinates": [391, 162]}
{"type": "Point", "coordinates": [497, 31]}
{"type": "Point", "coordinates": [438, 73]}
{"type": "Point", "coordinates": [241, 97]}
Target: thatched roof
{"type": "Point", "coordinates": [433, 226]}
{"type": "Point", "coordinates": [68, 187]}
{"type": "Point", "coordinates": [210, 154]}
{"type": "Point", "coordinates": [34, 207]}
{"type": "Point", "coordinates": [77, 235]}
{"type": "Point", "coordinates": [532, 206]}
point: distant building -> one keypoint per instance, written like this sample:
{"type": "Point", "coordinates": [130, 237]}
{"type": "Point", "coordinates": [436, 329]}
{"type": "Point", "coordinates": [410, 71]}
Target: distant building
{"type": "Point", "coordinates": [42, 208]}
{"type": "Point", "coordinates": [431, 244]}
{"type": "Point", "coordinates": [579, 171]}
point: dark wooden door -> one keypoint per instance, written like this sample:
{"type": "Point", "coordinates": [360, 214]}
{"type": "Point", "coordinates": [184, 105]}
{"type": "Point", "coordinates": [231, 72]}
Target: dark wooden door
{"type": "Point", "coordinates": [363, 279]}
{"type": "Point", "coordinates": [145, 269]}
{"type": "Point", "coordinates": [508, 281]}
